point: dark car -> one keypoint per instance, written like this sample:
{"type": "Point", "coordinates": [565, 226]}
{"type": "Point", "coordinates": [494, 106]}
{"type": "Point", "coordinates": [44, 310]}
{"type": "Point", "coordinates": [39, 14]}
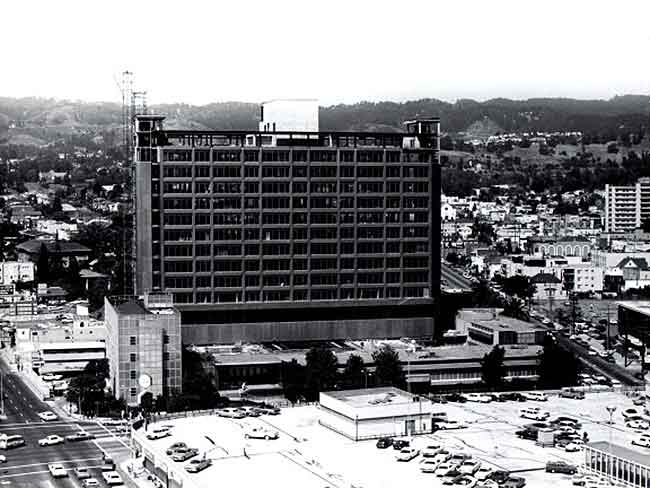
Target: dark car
{"type": "Point", "coordinates": [79, 436]}
{"type": "Point", "coordinates": [456, 397]}
{"type": "Point", "coordinates": [499, 476]}
{"type": "Point", "coordinates": [108, 464]}
{"type": "Point", "coordinates": [184, 454]}
{"type": "Point", "coordinates": [514, 397]}
{"type": "Point", "coordinates": [399, 444]}
{"type": "Point", "coordinates": [176, 445]}
{"type": "Point", "coordinates": [561, 467]}
{"type": "Point", "coordinates": [514, 482]}
{"type": "Point", "coordinates": [384, 443]}
{"type": "Point", "coordinates": [526, 434]}
{"type": "Point", "coordinates": [571, 393]}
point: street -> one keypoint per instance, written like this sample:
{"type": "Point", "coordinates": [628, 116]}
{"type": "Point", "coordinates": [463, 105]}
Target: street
{"type": "Point", "coordinates": [453, 278]}
{"type": "Point", "coordinates": [27, 466]}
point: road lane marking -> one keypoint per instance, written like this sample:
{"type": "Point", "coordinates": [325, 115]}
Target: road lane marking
{"type": "Point", "coordinates": [67, 461]}
{"type": "Point", "coordinates": [113, 435]}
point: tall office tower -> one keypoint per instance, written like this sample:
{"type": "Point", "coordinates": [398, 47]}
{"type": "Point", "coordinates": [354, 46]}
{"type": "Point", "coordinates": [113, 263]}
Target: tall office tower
{"type": "Point", "coordinates": [627, 207]}
{"type": "Point", "coordinates": [290, 233]}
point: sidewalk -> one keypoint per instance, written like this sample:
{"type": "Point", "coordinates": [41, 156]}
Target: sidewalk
{"type": "Point", "coordinates": [140, 477]}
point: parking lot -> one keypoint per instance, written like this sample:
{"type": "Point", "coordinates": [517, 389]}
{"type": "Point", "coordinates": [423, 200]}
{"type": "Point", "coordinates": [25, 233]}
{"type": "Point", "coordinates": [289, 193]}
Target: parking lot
{"type": "Point", "coordinates": [307, 454]}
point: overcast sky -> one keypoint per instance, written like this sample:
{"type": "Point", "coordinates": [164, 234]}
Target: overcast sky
{"type": "Point", "coordinates": [345, 51]}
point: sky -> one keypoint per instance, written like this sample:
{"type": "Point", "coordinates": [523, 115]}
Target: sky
{"type": "Point", "coordinates": [338, 51]}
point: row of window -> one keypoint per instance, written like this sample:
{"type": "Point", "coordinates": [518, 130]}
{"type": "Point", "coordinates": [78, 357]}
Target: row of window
{"type": "Point", "coordinates": [365, 293]}
{"type": "Point", "coordinates": [237, 203]}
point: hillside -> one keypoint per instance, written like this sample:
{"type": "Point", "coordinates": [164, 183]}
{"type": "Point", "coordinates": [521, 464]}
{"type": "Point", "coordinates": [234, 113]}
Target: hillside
{"type": "Point", "coordinates": [41, 120]}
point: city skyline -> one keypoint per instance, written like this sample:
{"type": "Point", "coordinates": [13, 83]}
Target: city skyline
{"type": "Point", "coordinates": [341, 48]}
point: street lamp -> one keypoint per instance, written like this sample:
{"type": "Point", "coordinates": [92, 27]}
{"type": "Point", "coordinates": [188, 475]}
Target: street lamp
{"type": "Point", "coordinates": [610, 410]}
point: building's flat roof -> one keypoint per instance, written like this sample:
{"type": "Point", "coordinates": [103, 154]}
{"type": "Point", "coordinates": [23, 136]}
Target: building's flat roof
{"type": "Point", "coordinates": [622, 452]}
{"type": "Point", "coordinates": [73, 345]}
{"type": "Point", "coordinates": [503, 323]}
{"type": "Point", "coordinates": [641, 306]}
{"type": "Point", "coordinates": [371, 397]}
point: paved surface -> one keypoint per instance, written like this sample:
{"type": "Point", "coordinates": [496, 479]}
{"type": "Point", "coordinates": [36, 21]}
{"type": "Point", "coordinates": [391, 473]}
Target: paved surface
{"type": "Point", "coordinates": [454, 278]}
{"type": "Point", "coordinates": [27, 466]}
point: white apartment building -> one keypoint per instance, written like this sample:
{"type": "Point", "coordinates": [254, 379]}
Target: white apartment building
{"type": "Point", "coordinates": [626, 207]}
{"type": "Point", "coordinates": [14, 271]}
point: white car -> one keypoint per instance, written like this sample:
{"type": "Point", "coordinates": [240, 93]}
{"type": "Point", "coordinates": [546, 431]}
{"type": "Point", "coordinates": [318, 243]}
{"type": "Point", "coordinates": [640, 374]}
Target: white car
{"type": "Point", "coordinates": [469, 466]}
{"type": "Point", "coordinates": [57, 470]}
{"type": "Point", "coordinates": [3, 458]}
{"type": "Point", "coordinates": [573, 447]}
{"type": "Point", "coordinates": [429, 465]}
{"type": "Point", "coordinates": [537, 396]}
{"type": "Point", "coordinates": [483, 473]}
{"type": "Point", "coordinates": [638, 425]}
{"type": "Point", "coordinates": [488, 484]}
{"type": "Point", "coordinates": [112, 478]}
{"type": "Point", "coordinates": [47, 416]}
{"type": "Point", "coordinates": [442, 456]}
{"type": "Point", "coordinates": [583, 479]}
{"type": "Point", "coordinates": [450, 425]}
{"type": "Point", "coordinates": [51, 440]}
{"type": "Point", "coordinates": [431, 450]}
{"type": "Point", "coordinates": [565, 429]}
{"type": "Point", "coordinates": [90, 483]}
{"type": "Point", "coordinates": [534, 414]}
{"type": "Point", "coordinates": [465, 480]}
{"type": "Point", "coordinates": [407, 454]}
{"type": "Point", "coordinates": [51, 377]}
{"type": "Point", "coordinates": [261, 433]}
{"type": "Point", "coordinates": [444, 468]}
{"type": "Point", "coordinates": [477, 397]}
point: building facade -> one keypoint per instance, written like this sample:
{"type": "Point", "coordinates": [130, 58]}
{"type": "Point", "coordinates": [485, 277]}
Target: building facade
{"type": "Point", "coordinates": [290, 235]}
{"type": "Point", "coordinates": [143, 346]}
{"type": "Point", "coordinates": [14, 271]}
{"type": "Point", "coordinates": [618, 463]}
{"type": "Point", "coordinates": [627, 207]}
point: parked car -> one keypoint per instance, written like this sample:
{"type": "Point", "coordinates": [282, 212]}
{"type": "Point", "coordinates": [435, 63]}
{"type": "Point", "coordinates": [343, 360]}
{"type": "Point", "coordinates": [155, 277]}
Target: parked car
{"type": "Point", "coordinates": [477, 397]}
{"type": "Point", "coordinates": [500, 476]}
{"type": "Point", "coordinates": [57, 470]}
{"type": "Point", "coordinates": [571, 393]}
{"type": "Point", "coordinates": [429, 465]}
{"type": "Point", "coordinates": [51, 440]}
{"type": "Point", "coordinates": [261, 433]}
{"type": "Point", "coordinates": [444, 468]}
{"type": "Point", "coordinates": [561, 467]}
{"type": "Point", "coordinates": [513, 396]}
{"type": "Point", "coordinates": [407, 454]}
{"type": "Point", "coordinates": [158, 433]}
{"type": "Point", "coordinates": [638, 425]}
{"type": "Point", "coordinates": [184, 454]}
{"type": "Point", "coordinates": [82, 473]}
{"type": "Point", "coordinates": [450, 425]}
{"type": "Point", "coordinates": [514, 482]}
{"type": "Point", "coordinates": [642, 442]}
{"type": "Point", "coordinates": [90, 483]}
{"type": "Point", "coordinates": [466, 481]}
{"type": "Point", "coordinates": [112, 478]}
{"type": "Point", "coordinates": [431, 450]}
{"type": "Point", "coordinates": [573, 447]}
{"type": "Point", "coordinates": [47, 416]}
{"type": "Point", "coordinates": [108, 464]}
{"type": "Point", "coordinates": [79, 436]}
{"type": "Point", "coordinates": [527, 434]}
{"type": "Point", "coordinates": [442, 456]}
{"type": "Point", "coordinates": [583, 479]}
{"type": "Point", "coordinates": [233, 413]}
{"type": "Point", "coordinates": [533, 414]}
{"type": "Point", "coordinates": [268, 410]}
{"type": "Point", "coordinates": [176, 445]}
{"type": "Point", "coordinates": [251, 411]}
{"type": "Point", "coordinates": [537, 396]}
{"type": "Point", "coordinates": [469, 466]}
{"type": "Point", "coordinates": [399, 444]}
{"type": "Point", "coordinates": [384, 442]}
{"type": "Point", "coordinates": [455, 397]}
{"type": "Point", "coordinates": [483, 473]}
{"type": "Point", "coordinates": [630, 412]}
{"type": "Point", "coordinates": [197, 465]}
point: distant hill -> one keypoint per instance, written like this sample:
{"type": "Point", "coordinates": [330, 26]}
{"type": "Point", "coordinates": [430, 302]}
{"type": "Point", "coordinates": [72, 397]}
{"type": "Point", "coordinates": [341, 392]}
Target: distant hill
{"type": "Point", "coordinates": [45, 120]}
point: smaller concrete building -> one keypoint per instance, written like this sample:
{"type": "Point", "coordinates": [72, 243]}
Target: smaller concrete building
{"type": "Point", "coordinates": [15, 271]}
{"type": "Point", "coordinates": [377, 412]}
{"type": "Point", "coordinates": [68, 357]}
{"type": "Point", "coordinates": [622, 464]}
{"type": "Point", "coordinates": [487, 326]}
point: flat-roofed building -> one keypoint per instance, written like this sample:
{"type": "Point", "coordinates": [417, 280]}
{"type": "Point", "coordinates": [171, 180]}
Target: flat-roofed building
{"type": "Point", "coordinates": [68, 357]}
{"type": "Point", "coordinates": [289, 233]}
{"type": "Point", "coordinates": [488, 326]}
{"type": "Point", "coordinates": [621, 464]}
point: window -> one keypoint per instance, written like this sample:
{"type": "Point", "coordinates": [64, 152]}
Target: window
{"type": "Point", "coordinates": [133, 374]}
{"type": "Point", "coordinates": [133, 392]}
{"type": "Point", "coordinates": [132, 340]}
{"type": "Point", "coordinates": [133, 357]}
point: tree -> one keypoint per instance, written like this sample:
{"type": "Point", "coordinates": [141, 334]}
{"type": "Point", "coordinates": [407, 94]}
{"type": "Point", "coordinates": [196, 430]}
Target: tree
{"type": "Point", "coordinates": [519, 286]}
{"type": "Point", "coordinates": [43, 265]}
{"type": "Point", "coordinates": [388, 370]}
{"type": "Point", "coordinates": [321, 372]}
{"type": "Point", "coordinates": [492, 368]}
{"type": "Point", "coordinates": [354, 374]}
{"type": "Point", "coordinates": [146, 402]}
{"type": "Point", "coordinates": [514, 308]}
{"type": "Point", "coordinates": [293, 380]}
{"type": "Point", "coordinates": [199, 386]}
{"type": "Point", "coordinates": [73, 279]}
{"type": "Point", "coordinates": [558, 367]}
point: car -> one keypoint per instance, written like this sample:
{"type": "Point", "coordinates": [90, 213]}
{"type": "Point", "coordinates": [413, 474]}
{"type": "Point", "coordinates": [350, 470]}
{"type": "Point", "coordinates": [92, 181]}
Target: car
{"type": "Point", "coordinates": [630, 412]}
{"type": "Point", "coordinates": [444, 468]}
{"type": "Point", "coordinates": [251, 411]}
{"type": "Point", "coordinates": [112, 478]}
{"type": "Point", "coordinates": [176, 445]}
{"type": "Point", "coordinates": [431, 450]}
{"type": "Point", "coordinates": [158, 433]}
{"type": "Point", "coordinates": [384, 442]}
{"type": "Point", "coordinates": [533, 414]}
{"type": "Point", "coordinates": [450, 425]}
{"type": "Point", "coordinates": [483, 473]}
{"type": "Point", "coordinates": [197, 465]}
{"type": "Point", "coordinates": [82, 473]}
{"type": "Point", "coordinates": [466, 481]}
{"type": "Point", "coordinates": [51, 440]}
{"type": "Point", "coordinates": [642, 442]}
{"type": "Point", "coordinates": [513, 396]}
{"type": "Point", "coordinates": [47, 416]}
{"type": "Point", "coordinates": [488, 484]}
{"type": "Point", "coordinates": [573, 447]}
{"type": "Point", "coordinates": [571, 393]}
{"type": "Point", "coordinates": [107, 464]}
{"type": "Point", "coordinates": [57, 470]}
{"type": "Point", "coordinates": [537, 396]}
{"type": "Point", "coordinates": [429, 465]}
{"type": "Point", "coordinates": [469, 466]}
{"type": "Point", "coordinates": [3, 458]}
{"type": "Point", "coordinates": [184, 454]}
{"type": "Point", "coordinates": [51, 377]}
{"type": "Point", "coordinates": [232, 413]}
{"type": "Point", "coordinates": [261, 433]}
{"type": "Point", "coordinates": [639, 402]}
{"type": "Point", "coordinates": [561, 467]}
{"type": "Point", "coordinates": [477, 397]}
{"type": "Point", "coordinates": [442, 456]}
{"type": "Point", "coordinates": [90, 483]}
{"type": "Point", "coordinates": [514, 482]}
{"type": "Point", "coordinates": [565, 429]}
{"type": "Point", "coordinates": [399, 444]}
{"type": "Point", "coordinates": [527, 434]}
{"type": "Point", "coordinates": [79, 436]}
{"type": "Point", "coordinates": [583, 479]}
{"type": "Point", "coordinates": [450, 477]}
{"type": "Point", "coordinates": [268, 410]}
{"type": "Point", "coordinates": [455, 397]}
{"type": "Point", "coordinates": [407, 454]}
{"type": "Point", "coordinates": [500, 476]}
{"type": "Point", "coordinates": [638, 424]}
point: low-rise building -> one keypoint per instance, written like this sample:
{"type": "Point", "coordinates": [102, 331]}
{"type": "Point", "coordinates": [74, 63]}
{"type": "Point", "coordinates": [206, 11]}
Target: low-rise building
{"type": "Point", "coordinates": [68, 357]}
{"type": "Point", "coordinates": [489, 327]}
{"type": "Point", "coordinates": [622, 464]}
{"type": "Point", "coordinates": [15, 271]}
{"type": "Point", "coordinates": [548, 287]}
{"type": "Point", "coordinates": [29, 251]}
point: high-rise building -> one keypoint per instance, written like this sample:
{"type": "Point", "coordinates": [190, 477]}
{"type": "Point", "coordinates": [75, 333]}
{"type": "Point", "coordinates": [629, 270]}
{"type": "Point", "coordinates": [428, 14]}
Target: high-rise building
{"type": "Point", "coordinates": [288, 234]}
{"type": "Point", "coordinates": [627, 207]}
{"type": "Point", "coordinates": [143, 345]}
